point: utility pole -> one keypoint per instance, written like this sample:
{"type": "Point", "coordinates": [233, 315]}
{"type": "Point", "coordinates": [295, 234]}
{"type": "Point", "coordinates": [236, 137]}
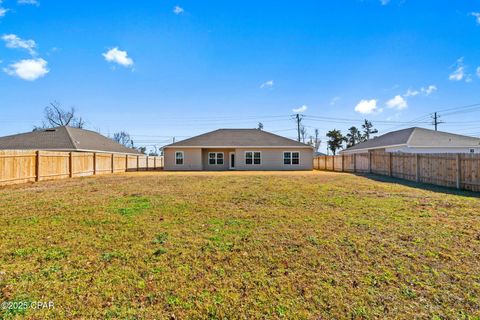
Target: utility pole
{"type": "Point", "coordinates": [173, 139]}
{"type": "Point", "coordinates": [436, 121]}
{"type": "Point", "coordinates": [299, 119]}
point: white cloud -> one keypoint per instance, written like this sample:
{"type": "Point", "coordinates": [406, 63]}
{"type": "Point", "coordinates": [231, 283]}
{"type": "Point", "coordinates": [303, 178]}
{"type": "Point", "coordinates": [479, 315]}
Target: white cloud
{"type": "Point", "coordinates": [267, 84]}
{"type": "Point", "coordinates": [429, 90]}
{"type": "Point", "coordinates": [384, 2]}
{"type": "Point", "coordinates": [478, 72]}
{"type": "Point", "coordinates": [13, 41]}
{"type": "Point", "coordinates": [34, 2]}
{"type": "Point", "coordinates": [334, 100]}
{"type": "Point", "coordinates": [28, 69]}
{"type": "Point", "coordinates": [367, 106]}
{"type": "Point", "coordinates": [3, 11]}
{"type": "Point", "coordinates": [397, 102]}
{"type": "Point", "coordinates": [411, 93]}
{"type": "Point", "coordinates": [301, 109]}
{"type": "Point", "coordinates": [476, 15]}
{"type": "Point", "coordinates": [178, 10]}
{"type": "Point", "coordinates": [118, 56]}
{"type": "Point", "coordinates": [459, 73]}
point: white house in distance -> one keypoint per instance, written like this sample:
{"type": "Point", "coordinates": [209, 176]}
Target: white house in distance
{"type": "Point", "coordinates": [418, 140]}
{"type": "Point", "coordinates": [238, 149]}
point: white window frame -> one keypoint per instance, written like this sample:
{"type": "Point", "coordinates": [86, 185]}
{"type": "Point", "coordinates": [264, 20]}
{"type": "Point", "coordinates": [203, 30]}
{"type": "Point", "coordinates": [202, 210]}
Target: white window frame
{"type": "Point", "coordinates": [253, 158]}
{"type": "Point", "coordinates": [216, 159]}
{"type": "Point", "coordinates": [183, 158]}
{"type": "Point", "coordinates": [291, 158]}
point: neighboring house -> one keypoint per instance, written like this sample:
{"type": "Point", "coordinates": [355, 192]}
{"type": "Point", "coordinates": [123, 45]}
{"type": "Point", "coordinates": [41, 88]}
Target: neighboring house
{"type": "Point", "coordinates": [238, 149]}
{"type": "Point", "coordinates": [63, 139]}
{"type": "Point", "coordinates": [418, 140]}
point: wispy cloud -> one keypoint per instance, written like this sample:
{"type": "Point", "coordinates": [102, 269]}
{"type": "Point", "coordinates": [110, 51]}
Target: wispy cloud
{"type": "Point", "coordinates": [3, 11]}
{"type": "Point", "coordinates": [28, 69]}
{"type": "Point", "coordinates": [13, 41]}
{"type": "Point", "coordinates": [334, 100]}
{"type": "Point", "coordinates": [300, 109]}
{"type": "Point", "coordinates": [478, 72]}
{"type": "Point", "coordinates": [476, 15]}
{"type": "Point", "coordinates": [267, 84]}
{"type": "Point", "coordinates": [398, 102]}
{"type": "Point", "coordinates": [367, 107]}
{"type": "Point", "coordinates": [178, 10]}
{"type": "Point", "coordinates": [118, 56]}
{"type": "Point", "coordinates": [429, 90]}
{"type": "Point", "coordinates": [384, 2]}
{"type": "Point", "coordinates": [459, 72]}
{"type": "Point", "coordinates": [411, 93]}
{"type": "Point", "coordinates": [33, 2]}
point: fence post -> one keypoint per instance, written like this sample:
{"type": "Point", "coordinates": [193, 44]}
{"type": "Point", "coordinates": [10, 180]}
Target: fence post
{"type": "Point", "coordinates": [354, 162]}
{"type": "Point", "coordinates": [126, 162]}
{"type": "Point", "coordinates": [94, 163]}
{"type": "Point", "coordinates": [343, 162]}
{"type": "Point", "coordinates": [417, 165]}
{"type": "Point", "coordinates": [138, 163]}
{"type": "Point", "coordinates": [70, 165]}
{"type": "Point", "coordinates": [154, 163]}
{"type": "Point", "coordinates": [37, 165]}
{"type": "Point", "coordinates": [113, 163]}
{"type": "Point", "coordinates": [390, 164]}
{"type": "Point", "coordinates": [369, 161]}
{"type": "Point", "coordinates": [459, 171]}
{"type": "Point", "coordinates": [147, 164]}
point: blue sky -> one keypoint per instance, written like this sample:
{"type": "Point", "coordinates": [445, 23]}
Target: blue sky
{"type": "Point", "coordinates": [159, 69]}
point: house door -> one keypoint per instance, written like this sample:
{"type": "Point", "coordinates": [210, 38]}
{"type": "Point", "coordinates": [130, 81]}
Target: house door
{"type": "Point", "coordinates": [232, 160]}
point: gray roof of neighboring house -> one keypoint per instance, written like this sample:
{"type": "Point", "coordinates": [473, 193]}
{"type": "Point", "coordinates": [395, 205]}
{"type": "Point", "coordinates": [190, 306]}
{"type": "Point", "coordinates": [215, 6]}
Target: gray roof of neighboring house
{"type": "Point", "coordinates": [417, 137]}
{"type": "Point", "coordinates": [238, 138]}
{"type": "Point", "coordinates": [65, 139]}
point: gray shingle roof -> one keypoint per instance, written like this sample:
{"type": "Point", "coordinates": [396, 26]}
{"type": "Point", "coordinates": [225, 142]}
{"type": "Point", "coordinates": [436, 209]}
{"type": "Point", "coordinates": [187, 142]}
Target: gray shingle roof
{"type": "Point", "coordinates": [238, 138]}
{"type": "Point", "coordinates": [417, 137]}
{"type": "Point", "coordinates": [63, 138]}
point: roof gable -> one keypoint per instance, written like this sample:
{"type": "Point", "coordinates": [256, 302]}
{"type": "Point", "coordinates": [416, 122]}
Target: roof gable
{"type": "Point", "coordinates": [238, 138]}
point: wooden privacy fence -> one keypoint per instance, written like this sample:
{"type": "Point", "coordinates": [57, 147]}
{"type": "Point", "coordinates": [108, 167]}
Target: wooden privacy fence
{"type": "Point", "coordinates": [461, 171]}
{"type": "Point", "coordinates": [23, 166]}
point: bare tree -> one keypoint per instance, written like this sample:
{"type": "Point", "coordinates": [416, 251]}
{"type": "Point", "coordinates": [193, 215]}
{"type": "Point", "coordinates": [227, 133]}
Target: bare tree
{"type": "Point", "coordinates": [56, 116]}
{"type": "Point", "coordinates": [315, 140]}
{"type": "Point", "coordinates": [123, 138]}
{"type": "Point", "coordinates": [303, 133]}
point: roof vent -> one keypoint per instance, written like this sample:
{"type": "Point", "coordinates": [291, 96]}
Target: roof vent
{"type": "Point", "coordinates": [50, 130]}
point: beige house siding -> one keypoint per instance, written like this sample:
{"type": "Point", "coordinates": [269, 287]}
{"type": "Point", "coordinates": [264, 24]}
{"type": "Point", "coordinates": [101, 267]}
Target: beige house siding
{"type": "Point", "coordinates": [192, 159]}
{"type": "Point", "coordinates": [272, 159]}
{"type": "Point", "coordinates": [226, 158]}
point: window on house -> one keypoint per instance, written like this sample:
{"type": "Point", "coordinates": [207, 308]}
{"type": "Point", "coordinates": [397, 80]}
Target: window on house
{"type": "Point", "coordinates": [291, 157]}
{"type": "Point", "coordinates": [179, 157]}
{"type": "Point", "coordinates": [215, 158]}
{"type": "Point", "coordinates": [472, 150]}
{"type": "Point", "coordinates": [253, 157]}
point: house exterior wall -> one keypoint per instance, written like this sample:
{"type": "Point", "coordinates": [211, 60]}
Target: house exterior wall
{"type": "Point", "coordinates": [272, 159]}
{"type": "Point", "coordinates": [216, 167]}
{"type": "Point", "coordinates": [434, 150]}
{"type": "Point", "coordinates": [192, 159]}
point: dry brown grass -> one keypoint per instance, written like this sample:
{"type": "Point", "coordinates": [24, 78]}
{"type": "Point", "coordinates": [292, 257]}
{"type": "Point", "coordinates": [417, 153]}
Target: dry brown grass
{"type": "Point", "coordinates": [255, 245]}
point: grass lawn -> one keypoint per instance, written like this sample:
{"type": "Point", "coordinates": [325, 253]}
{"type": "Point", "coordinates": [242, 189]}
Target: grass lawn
{"type": "Point", "coordinates": [308, 245]}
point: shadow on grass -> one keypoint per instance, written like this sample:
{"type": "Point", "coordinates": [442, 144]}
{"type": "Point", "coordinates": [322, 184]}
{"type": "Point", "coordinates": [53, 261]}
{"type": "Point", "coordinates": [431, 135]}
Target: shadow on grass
{"type": "Point", "coordinates": [419, 185]}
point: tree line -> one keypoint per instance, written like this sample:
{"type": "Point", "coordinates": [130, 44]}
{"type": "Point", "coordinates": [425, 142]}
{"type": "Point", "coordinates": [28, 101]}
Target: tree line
{"type": "Point", "coordinates": [336, 140]}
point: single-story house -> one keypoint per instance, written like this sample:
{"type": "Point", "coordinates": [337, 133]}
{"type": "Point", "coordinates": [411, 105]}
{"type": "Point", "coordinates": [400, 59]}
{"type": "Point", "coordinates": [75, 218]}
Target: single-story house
{"type": "Point", "coordinates": [63, 139]}
{"type": "Point", "coordinates": [238, 149]}
{"type": "Point", "coordinates": [418, 140]}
